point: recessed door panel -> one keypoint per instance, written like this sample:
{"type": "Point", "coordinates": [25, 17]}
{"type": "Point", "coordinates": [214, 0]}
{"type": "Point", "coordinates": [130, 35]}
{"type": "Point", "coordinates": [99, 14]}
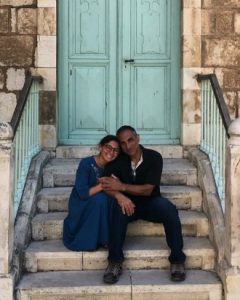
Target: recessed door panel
{"type": "Point", "coordinates": [119, 64]}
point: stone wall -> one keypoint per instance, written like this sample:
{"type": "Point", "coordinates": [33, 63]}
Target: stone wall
{"type": "Point", "coordinates": [221, 47]}
{"type": "Point", "coordinates": [210, 43]}
{"type": "Point", "coordinates": [18, 40]}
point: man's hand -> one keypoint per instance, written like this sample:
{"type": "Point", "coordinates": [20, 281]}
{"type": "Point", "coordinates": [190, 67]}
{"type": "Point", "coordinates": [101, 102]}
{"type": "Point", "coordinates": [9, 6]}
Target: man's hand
{"type": "Point", "coordinates": [111, 184]}
{"type": "Point", "coordinates": [126, 204]}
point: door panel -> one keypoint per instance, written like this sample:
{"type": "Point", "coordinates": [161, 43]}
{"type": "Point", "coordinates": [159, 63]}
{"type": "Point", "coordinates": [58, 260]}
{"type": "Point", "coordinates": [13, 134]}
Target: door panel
{"type": "Point", "coordinates": [98, 90]}
{"type": "Point", "coordinates": [150, 84]}
{"type": "Point", "coordinates": [87, 81]}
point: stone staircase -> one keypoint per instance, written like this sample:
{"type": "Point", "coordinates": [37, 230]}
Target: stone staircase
{"type": "Point", "coordinates": [55, 273]}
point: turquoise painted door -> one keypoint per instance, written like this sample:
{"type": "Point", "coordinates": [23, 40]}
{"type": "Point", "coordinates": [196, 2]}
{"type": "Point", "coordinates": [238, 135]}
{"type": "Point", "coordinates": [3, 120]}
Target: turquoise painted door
{"type": "Point", "coordinates": [119, 64]}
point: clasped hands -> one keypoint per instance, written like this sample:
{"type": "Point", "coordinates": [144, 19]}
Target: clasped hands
{"type": "Point", "coordinates": [113, 184]}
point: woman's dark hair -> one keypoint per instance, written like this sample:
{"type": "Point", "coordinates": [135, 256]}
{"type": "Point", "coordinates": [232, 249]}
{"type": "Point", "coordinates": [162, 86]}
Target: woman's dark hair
{"type": "Point", "coordinates": [108, 138]}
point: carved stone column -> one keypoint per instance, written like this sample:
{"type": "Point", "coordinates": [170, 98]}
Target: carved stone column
{"type": "Point", "coordinates": [6, 210]}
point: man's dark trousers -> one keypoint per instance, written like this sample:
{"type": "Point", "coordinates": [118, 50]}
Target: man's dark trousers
{"type": "Point", "coordinates": [157, 210]}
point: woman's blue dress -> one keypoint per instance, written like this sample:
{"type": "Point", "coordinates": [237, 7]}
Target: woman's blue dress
{"type": "Point", "coordinates": [86, 226]}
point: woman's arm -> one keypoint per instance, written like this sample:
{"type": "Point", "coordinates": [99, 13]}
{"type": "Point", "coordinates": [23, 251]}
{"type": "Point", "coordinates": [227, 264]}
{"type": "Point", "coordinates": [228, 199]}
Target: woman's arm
{"type": "Point", "coordinates": [95, 189]}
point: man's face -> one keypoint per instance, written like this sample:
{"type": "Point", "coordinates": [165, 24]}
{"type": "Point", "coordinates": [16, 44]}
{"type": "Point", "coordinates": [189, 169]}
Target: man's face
{"type": "Point", "coordinates": [129, 142]}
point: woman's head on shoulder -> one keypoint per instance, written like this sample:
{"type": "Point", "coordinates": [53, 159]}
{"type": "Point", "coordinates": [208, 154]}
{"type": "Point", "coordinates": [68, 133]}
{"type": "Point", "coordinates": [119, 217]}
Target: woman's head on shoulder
{"type": "Point", "coordinates": [109, 148]}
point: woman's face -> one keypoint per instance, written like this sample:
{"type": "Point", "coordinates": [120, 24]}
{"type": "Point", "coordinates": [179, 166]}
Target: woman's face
{"type": "Point", "coordinates": [109, 151]}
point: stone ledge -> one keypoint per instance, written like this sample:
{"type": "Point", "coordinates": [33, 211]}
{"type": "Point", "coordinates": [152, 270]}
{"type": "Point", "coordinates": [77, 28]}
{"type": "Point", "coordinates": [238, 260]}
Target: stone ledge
{"type": "Point", "coordinates": [22, 234]}
{"type": "Point", "coordinates": [6, 286]}
{"type": "Point", "coordinates": [211, 201]}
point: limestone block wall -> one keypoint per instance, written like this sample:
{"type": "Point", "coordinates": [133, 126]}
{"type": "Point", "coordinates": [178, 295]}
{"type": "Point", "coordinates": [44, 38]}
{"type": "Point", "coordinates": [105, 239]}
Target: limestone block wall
{"type": "Point", "coordinates": [221, 47]}
{"type": "Point", "coordinates": [210, 43]}
{"type": "Point", "coordinates": [18, 40]}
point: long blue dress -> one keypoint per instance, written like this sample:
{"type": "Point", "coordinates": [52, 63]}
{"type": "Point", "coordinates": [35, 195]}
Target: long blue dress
{"type": "Point", "coordinates": [86, 226]}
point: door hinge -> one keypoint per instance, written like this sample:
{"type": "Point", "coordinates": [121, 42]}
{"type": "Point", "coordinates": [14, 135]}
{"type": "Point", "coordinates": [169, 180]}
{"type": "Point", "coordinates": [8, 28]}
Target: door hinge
{"type": "Point", "coordinates": [71, 72]}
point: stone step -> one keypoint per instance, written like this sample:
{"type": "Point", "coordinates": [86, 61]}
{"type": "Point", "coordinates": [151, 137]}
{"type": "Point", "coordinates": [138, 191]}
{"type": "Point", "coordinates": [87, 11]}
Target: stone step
{"type": "Point", "coordinates": [50, 226]}
{"type": "Point", "coordinates": [61, 172]}
{"type": "Point", "coordinates": [167, 151]}
{"type": "Point", "coordinates": [133, 285]}
{"type": "Point", "coordinates": [140, 253]}
{"type": "Point", "coordinates": [184, 197]}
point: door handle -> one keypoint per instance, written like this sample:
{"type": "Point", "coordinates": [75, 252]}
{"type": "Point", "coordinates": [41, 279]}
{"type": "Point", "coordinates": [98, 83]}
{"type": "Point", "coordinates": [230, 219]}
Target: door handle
{"type": "Point", "coordinates": [129, 61]}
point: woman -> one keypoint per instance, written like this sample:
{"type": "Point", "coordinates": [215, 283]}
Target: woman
{"type": "Point", "coordinates": [86, 226]}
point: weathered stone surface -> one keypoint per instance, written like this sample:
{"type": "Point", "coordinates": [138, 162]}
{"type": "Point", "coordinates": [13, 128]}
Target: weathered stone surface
{"type": "Point", "coordinates": [15, 79]}
{"type": "Point", "coordinates": [221, 3]}
{"type": "Point", "coordinates": [47, 3]}
{"type": "Point", "coordinates": [208, 22]}
{"type": "Point", "coordinates": [191, 21]}
{"type": "Point", "coordinates": [48, 136]}
{"type": "Point", "coordinates": [231, 101]}
{"type": "Point", "coordinates": [13, 20]}
{"type": "Point", "coordinates": [6, 132]}
{"type": "Point", "coordinates": [237, 23]}
{"type": "Point", "coordinates": [47, 107]}
{"type": "Point", "coordinates": [167, 151]}
{"type": "Point", "coordinates": [16, 51]}
{"type": "Point", "coordinates": [46, 52]}
{"type": "Point", "coordinates": [211, 201]}
{"type": "Point", "coordinates": [191, 106]}
{"type": "Point", "coordinates": [50, 226]}
{"type": "Point", "coordinates": [4, 17]}
{"type": "Point", "coordinates": [184, 197]}
{"type": "Point", "coordinates": [191, 51]}
{"type": "Point", "coordinates": [191, 3]}
{"type": "Point", "coordinates": [6, 287]}
{"type": "Point", "coordinates": [47, 21]}
{"type": "Point", "coordinates": [27, 21]}
{"type": "Point", "coordinates": [17, 2]}
{"type": "Point", "coordinates": [221, 52]}
{"type": "Point", "coordinates": [62, 172]}
{"type": "Point", "coordinates": [189, 78]}
{"type": "Point", "coordinates": [73, 285]}
{"type": "Point", "coordinates": [232, 206]}
{"type": "Point", "coordinates": [231, 78]}
{"type": "Point", "coordinates": [2, 79]}
{"type": "Point", "coordinates": [6, 203]}
{"type": "Point", "coordinates": [224, 22]}
{"type": "Point", "coordinates": [238, 103]}
{"type": "Point", "coordinates": [8, 103]}
{"type": "Point", "coordinates": [191, 134]}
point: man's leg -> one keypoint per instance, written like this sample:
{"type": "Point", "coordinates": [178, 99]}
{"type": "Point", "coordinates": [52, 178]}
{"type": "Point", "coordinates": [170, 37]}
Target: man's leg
{"type": "Point", "coordinates": [117, 233]}
{"type": "Point", "coordinates": [161, 210]}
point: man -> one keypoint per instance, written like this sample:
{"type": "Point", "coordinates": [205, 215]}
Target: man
{"type": "Point", "coordinates": [133, 181]}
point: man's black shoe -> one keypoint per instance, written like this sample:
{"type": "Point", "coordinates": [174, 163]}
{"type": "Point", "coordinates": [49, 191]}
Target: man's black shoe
{"type": "Point", "coordinates": [112, 273]}
{"type": "Point", "coordinates": [178, 272]}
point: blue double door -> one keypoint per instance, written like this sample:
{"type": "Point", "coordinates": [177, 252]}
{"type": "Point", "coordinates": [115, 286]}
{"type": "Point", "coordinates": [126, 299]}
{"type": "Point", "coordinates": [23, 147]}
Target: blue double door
{"type": "Point", "coordinates": [119, 63]}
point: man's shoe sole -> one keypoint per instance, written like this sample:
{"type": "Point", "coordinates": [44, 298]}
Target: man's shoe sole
{"type": "Point", "coordinates": [178, 279]}
{"type": "Point", "coordinates": [110, 280]}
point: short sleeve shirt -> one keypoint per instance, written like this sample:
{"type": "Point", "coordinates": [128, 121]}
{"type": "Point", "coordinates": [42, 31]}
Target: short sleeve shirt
{"type": "Point", "coordinates": [148, 172]}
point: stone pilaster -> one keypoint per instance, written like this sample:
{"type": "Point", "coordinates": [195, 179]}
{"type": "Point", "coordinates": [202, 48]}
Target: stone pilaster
{"type": "Point", "coordinates": [228, 269]}
{"type": "Point", "coordinates": [232, 209]}
{"type": "Point", "coordinates": [6, 210]}
{"type": "Point", "coordinates": [191, 66]}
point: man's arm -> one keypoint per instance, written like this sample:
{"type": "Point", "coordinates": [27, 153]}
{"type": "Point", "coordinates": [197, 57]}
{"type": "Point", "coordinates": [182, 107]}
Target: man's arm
{"type": "Point", "coordinates": [113, 184]}
{"type": "Point", "coordinates": [124, 202]}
